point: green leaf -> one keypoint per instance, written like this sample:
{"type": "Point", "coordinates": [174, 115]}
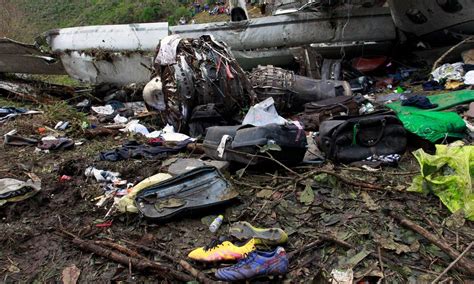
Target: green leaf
{"type": "Point", "coordinates": [307, 196]}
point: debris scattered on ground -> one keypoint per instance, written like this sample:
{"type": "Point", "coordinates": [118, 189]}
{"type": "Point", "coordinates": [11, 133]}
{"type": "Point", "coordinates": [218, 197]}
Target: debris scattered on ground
{"type": "Point", "coordinates": [331, 167]}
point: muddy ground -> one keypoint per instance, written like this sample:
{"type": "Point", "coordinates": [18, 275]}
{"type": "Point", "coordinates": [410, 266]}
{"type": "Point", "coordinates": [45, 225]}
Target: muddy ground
{"type": "Point", "coordinates": [33, 249]}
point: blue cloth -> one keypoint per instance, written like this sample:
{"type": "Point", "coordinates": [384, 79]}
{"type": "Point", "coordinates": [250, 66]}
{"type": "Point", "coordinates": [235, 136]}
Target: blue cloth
{"type": "Point", "coordinates": [419, 102]}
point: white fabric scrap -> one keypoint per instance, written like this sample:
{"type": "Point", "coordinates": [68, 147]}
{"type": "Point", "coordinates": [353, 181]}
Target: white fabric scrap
{"type": "Point", "coordinates": [103, 110]}
{"type": "Point", "coordinates": [134, 126]}
{"type": "Point", "coordinates": [120, 119]}
{"type": "Point", "coordinates": [168, 47]}
{"type": "Point", "coordinates": [448, 71]}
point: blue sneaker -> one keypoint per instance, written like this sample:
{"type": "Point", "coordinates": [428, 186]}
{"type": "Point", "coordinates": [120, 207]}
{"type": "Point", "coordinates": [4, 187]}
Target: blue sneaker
{"type": "Point", "coordinates": [257, 263]}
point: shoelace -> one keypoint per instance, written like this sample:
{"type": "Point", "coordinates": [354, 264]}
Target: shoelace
{"type": "Point", "coordinates": [246, 259]}
{"type": "Point", "coordinates": [213, 244]}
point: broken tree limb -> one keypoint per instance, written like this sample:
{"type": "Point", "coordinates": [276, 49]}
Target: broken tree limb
{"type": "Point", "coordinates": [466, 265]}
{"type": "Point", "coordinates": [139, 264]}
{"type": "Point", "coordinates": [194, 272]}
{"type": "Point", "coordinates": [443, 56]}
{"type": "Point", "coordinates": [453, 263]}
{"type": "Point", "coordinates": [186, 266]}
{"type": "Point", "coordinates": [121, 249]}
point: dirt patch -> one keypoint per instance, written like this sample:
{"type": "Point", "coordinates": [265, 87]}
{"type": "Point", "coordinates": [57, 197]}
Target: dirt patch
{"type": "Point", "coordinates": [34, 250]}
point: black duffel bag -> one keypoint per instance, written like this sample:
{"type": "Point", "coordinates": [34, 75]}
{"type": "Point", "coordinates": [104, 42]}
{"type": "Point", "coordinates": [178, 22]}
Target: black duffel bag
{"type": "Point", "coordinates": [347, 139]}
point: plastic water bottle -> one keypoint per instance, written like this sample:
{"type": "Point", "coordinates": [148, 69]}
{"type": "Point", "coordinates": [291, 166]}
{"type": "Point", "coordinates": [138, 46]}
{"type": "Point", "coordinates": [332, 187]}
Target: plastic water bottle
{"type": "Point", "coordinates": [216, 224]}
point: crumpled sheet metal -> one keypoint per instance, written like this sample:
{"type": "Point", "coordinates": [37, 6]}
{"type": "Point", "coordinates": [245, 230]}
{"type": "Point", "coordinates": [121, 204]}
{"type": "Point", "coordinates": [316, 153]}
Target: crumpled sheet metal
{"type": "Point", "coordinates": [448, 175]}
{"type": "Point", "coordinates": [116, 67]}
{"type": "Point", "coordinates": [13, 190]}
{"type": "Point", "coordinates": [16, 57]}
{"type": "Point", "coordinates": [205, 72]}
{"type": "Point", "coordinates": [197, 189]}
{"type": "Point", "coordinates": [36, 92]}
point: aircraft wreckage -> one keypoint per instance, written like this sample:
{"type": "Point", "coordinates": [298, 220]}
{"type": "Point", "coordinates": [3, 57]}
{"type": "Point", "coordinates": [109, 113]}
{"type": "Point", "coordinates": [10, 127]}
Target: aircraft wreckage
{"type": "Point", "coordinates": [123, 54]}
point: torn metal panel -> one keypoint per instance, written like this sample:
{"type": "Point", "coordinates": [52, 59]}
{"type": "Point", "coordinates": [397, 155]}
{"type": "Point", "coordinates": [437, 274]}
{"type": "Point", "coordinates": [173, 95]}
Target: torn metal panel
{"type": "Point", "coordinates": [16, 57]}
{"type": "Point", "coordinates": [119, 54]}
{"type": "Point", "coordinates": [131, 37]}
{"type": "Point", "coordinates": [35, 92]}
{"type": "Point", "coordinates": [117, 68]}
{"type": "Point", "coordinates": [298, 29]}
{"type": "Point", "coordinates": [421, 18]}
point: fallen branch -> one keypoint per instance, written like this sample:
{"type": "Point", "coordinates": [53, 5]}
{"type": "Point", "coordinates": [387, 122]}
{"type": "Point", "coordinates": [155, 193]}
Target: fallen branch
{"type": "Point", "coordinates": [453, 263]}
{"type": "Point", "coordinates": [121, 249]}
{"type": "Point", "coordinates": [443, 56]}
{"type": "Point", "coordinates": [186, 266]}
{"type": "Point", "coordinates": [140, 264]}
{"type": "Point", "coordinates": [466, 265]}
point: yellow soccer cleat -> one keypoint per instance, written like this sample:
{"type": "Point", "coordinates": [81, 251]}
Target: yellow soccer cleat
{"type": "Point", "coordinates": [270, 236]}
{"type": "Point", "coordinates": [225, 251]}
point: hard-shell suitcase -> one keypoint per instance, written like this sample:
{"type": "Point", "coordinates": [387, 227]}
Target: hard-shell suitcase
{"type": "Point", "coordinates": [241, 143]}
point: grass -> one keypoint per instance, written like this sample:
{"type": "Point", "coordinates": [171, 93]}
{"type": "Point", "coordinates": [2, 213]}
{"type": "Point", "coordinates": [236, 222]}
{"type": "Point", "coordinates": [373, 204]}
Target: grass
{"type": "Point", "coordinates": [35, 17]}
{"type": "Point", "coordinates": [27, 19]}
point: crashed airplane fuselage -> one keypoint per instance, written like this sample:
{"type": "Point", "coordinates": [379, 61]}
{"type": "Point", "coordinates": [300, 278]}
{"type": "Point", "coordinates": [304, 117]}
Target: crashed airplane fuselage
{"type": "Point", "coordinates": [122, 54]}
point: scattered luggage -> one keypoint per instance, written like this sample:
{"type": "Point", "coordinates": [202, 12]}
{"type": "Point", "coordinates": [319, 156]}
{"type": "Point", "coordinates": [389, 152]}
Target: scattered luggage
{"type": "Point", "coordinates": [347, 139]}
{"type": "Point", "coordinates": [196, 189]}
{"type": "Point", "coordinates": [317, 112]}
{"type": "Point", "coordinates": [241, 143]}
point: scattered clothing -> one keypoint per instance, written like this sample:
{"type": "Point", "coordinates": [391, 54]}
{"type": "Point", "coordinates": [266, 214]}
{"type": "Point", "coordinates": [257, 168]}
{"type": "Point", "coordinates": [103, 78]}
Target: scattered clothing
{"type": "Point", "coordinates": [12, 190]}
{"type": "Point", "coordinates": [135, 150]}
{"type": "Point", "coordinates": [419, 102]}
{"type": "Point", "coordinates": [444, 101]}
{"type": "Point", "coordinates": [14, 140]}
{"type": "Point", "coordinates": [101, 175]}
{"type": "Point", "coordinates": [432, 86]}
{"type": "Point", "coordinates": [454, 85]}
{"type": "Point", "coordinates": [385, 159]}
{"type": "Point", "coordinates": [51, 143]}
{"type": "Point", "coordinates": [449, 71]}
{"type": "Point", "coordinates": [7, 113]}
{"type": "Point", "coordinates": [256, 264]}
